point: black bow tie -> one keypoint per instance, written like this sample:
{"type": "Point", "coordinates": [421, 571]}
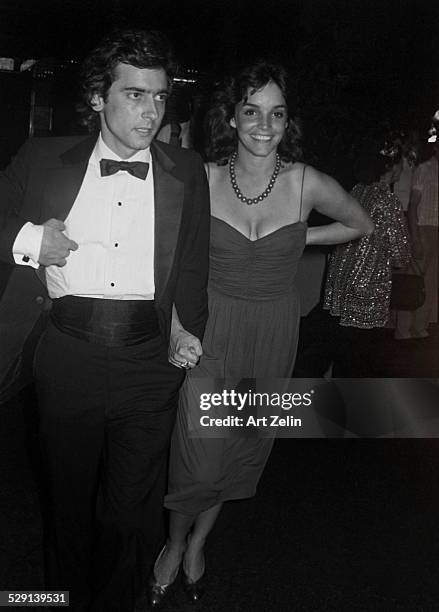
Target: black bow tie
{"type": "Point", "coordinates": [111, 166]}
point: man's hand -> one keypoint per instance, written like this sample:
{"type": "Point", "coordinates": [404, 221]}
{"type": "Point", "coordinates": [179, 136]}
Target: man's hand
{"type": "Point", "coordinates": [55, 246]}
{"type": "Point", "coordinates": [184, 349]}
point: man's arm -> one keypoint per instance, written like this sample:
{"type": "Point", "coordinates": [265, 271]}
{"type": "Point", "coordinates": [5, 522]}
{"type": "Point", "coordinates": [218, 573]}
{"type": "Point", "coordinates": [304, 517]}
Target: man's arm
{"type": "Point", "coordinates": [22, 242]}
{"type": "Point", "coordinates": [191, 291]}
{"type": "Point", "coordinates": [12, 188]}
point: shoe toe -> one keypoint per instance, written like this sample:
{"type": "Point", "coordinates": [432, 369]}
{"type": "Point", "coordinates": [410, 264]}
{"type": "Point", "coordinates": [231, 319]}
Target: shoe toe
{"type": "Point", "coordinates": [195, 590]}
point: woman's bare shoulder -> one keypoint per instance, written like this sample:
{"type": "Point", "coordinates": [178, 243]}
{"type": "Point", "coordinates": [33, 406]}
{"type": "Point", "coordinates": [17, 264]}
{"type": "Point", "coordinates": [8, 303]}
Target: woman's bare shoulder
{"type": "Point", "coordinates": [300, 172]}
{"type": "Point", "coordinates": [316, 179]}
{"type": "Point", "coordinates": [296, 169]}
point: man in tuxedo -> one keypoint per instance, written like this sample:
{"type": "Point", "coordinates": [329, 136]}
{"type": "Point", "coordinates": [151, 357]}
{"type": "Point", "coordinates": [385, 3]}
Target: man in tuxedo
{"type": "Point", "coordinates": [116, 226]}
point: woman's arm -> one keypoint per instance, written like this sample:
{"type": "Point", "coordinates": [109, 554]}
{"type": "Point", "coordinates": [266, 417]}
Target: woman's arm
{"type": "Point", "coordinates": [324, 194]}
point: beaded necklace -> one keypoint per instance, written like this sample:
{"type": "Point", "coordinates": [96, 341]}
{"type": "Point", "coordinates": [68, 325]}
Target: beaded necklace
{"type": "Point", "coordinates": [264, 194]}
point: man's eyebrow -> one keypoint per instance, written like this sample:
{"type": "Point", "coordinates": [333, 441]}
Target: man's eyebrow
{"type": "Point", "coordinates": [144, 90]}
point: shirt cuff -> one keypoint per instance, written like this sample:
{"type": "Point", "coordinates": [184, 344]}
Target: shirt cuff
{"type": "Point", "coordinates": [27, 245]}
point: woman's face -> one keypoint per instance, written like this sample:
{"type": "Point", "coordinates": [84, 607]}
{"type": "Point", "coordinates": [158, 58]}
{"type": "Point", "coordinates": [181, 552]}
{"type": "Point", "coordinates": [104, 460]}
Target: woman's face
{"type": "Point", "coordinates": [261, 120]}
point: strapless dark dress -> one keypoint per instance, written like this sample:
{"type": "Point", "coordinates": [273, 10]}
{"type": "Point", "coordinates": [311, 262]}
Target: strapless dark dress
{"type": "Point", "coordinates": [252, 332]}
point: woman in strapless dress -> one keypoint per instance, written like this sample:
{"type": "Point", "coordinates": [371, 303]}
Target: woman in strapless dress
{"type": "Point", "coordinates": [261, 196]}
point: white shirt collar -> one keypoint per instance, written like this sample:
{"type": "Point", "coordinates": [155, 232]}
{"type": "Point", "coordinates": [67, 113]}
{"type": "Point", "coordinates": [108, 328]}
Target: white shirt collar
{"type": "Point", "coordinates": [101, 150]}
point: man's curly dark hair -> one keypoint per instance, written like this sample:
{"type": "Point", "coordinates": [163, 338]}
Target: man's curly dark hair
{"type": "Point", "coordinates": [221, 138]}
{"type": "Point", "coordinates": [138, 48]}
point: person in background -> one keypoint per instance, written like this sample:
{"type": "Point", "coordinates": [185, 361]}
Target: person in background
{"type": "Point", "coordinates": [359, 279]}
{"type": "Point", "coordinates": [422, 216]}
{"type": "Point", "coordinates": [410, 156]}
{"type": "Point", "coordinates": [262, 195]}
{"type": "Point", "coordinates": [410, 146]}
{"type": "Point", "coordinates": [175, 128]}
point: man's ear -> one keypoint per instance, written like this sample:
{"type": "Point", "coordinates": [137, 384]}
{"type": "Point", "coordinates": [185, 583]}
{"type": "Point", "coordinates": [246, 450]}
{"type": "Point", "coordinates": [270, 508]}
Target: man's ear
{"type": "Point", "coordinates": [232, 122]}
{"type": "Point", "coordinates": [97, 102]}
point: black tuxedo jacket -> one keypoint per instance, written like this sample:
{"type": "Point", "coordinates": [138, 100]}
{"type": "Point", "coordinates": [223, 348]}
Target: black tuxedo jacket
{"type": "Point", "coordinates": [43, 181]}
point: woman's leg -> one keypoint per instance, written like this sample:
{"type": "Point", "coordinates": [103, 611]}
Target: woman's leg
{"type": "Point", "coordinates": [168, 562]}
{"type": "Point", "coordinates": [193, 563]}
{"type": "Point", "coordinates": [177, 545]}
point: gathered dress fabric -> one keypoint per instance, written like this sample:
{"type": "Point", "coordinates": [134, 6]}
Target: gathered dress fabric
{"type": "Point", "coordinates": [252, 332]}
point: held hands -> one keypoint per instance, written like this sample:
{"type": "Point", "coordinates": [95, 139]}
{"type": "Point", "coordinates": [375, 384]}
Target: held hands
{"type": "Point", "coordinates": [55, 246]}
{"type": "Point", "coordinates": [184, 349]}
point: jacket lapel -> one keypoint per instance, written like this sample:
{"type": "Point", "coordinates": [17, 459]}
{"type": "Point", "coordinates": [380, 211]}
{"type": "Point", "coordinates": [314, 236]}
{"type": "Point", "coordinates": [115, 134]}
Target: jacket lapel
{"type": "Point", "coordinates": [64, 182]}
{"type": "Point", "coordinates": [168, 207]}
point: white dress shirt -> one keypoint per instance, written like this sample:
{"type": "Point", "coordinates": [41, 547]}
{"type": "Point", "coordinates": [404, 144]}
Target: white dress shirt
{"type": "Point", "coordinates": [112, 220]}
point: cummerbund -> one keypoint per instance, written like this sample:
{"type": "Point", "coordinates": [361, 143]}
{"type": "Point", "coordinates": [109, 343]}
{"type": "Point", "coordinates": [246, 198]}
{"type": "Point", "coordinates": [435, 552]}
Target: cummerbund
{"type": "Point", "coordinates": [112, 323]}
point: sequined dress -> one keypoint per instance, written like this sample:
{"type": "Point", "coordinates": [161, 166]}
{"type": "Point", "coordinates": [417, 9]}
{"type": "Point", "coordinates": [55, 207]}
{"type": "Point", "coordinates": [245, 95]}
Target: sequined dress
{"type": "Point", "coordinates": [252, 332]}
{"type": "Point", "coordinates": [359, 277]}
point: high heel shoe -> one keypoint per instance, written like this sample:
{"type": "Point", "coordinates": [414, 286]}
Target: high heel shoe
{"type": "Point", "coordinates": [195, 590]}
{"type": "Point", "coordinates": [158, 592]}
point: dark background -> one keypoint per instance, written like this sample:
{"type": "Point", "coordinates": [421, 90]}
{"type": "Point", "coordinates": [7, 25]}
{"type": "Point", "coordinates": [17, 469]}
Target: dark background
{"type": "Point", "coordinates": [359, 66]}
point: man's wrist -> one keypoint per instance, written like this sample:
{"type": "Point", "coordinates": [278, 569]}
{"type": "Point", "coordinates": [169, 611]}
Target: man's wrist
{"type": "Point", "coordinates": [27, 245]}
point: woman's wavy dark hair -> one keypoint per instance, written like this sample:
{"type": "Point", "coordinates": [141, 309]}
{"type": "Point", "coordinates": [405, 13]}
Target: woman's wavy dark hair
{"type": "Point", "coordinates": [221, 138]}
{"type": "Point", "coordinates": [135, 47]}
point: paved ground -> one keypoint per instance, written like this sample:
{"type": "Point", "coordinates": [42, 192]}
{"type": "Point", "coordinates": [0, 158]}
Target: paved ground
{"type": "Point", "coordinates": [336, 524]}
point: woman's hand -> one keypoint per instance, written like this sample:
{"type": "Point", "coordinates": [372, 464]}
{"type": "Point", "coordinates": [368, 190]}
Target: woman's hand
{"type": "Point", "coordinates": [184, 348]}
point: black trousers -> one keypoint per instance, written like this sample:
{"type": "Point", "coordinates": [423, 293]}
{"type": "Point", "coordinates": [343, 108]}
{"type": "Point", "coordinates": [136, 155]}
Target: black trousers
{"type": "Point", "coordinates": [358, 352]}
{"type": "Point", "coordinates": [106, 416]}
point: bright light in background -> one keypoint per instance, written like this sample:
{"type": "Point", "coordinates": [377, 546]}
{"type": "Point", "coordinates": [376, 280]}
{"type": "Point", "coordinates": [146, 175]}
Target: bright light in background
{"type": "Point", "coordinates": [6, 63]}
{"type": "Point", "coordinates": [27, 64]}
{"type": "Point", "coordinates": [178, 80]}
{"type": "Point", "coordinates": [432, 132]}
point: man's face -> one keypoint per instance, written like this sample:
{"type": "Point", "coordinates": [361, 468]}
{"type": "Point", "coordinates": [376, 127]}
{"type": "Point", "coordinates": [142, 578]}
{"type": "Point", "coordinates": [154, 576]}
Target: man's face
{"type": "Point", "coordinates": [131, 115]}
